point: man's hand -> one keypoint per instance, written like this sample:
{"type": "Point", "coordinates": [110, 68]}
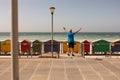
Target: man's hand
{"type": "Point", "coordinates": [64, 28]}
{"type": "Point", "coordinates": [80, 28]}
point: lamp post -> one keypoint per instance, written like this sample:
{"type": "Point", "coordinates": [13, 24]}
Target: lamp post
{"type": "Point", "coordinates": [14, 40]}
{"type": "Point", "coordinates": [52, 9]}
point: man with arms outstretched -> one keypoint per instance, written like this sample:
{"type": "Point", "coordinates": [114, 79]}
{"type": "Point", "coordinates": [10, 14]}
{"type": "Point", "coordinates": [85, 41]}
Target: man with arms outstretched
{"type": "Point", "coordinates": [70, 35]}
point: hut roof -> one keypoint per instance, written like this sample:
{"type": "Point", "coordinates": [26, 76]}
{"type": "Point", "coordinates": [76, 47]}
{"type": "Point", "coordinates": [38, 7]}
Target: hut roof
{"type": "Point", "coordinates": [85, 40]}
{"type": "Point", "coordinates": [117, 40]}
{"type": "Point", "coordinates": [100, 40]}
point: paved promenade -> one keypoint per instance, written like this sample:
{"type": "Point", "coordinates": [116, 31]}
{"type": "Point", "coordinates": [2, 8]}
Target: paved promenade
{"type": "Point", "coordinates": [65, 68]}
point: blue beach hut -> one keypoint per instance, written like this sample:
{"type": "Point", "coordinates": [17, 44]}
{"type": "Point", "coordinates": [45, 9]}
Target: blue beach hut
{"type": "Point", "coordinates": [56, 46]}
{"type": "Point", "coordinates": [115, 46]}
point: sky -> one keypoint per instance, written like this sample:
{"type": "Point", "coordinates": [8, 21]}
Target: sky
{"type": "Point", "coordinates": [90, 15]}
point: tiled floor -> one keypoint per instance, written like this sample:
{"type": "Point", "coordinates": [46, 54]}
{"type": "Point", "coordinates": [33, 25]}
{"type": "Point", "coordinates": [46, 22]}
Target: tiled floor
{"type": "Point", "coordinates": [65, 68]}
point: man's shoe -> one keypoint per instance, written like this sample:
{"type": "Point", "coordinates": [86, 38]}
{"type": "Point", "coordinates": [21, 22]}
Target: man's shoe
{"type": "Point", "coordinates": [73, 55]}
{"type": "Point", "coordinates": [68, 54]}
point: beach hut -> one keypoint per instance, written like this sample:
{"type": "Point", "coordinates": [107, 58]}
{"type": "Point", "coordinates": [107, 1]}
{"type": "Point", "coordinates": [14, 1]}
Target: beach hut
{"type": "Point", "coordinates": [85, 45]}
{"type": "Point", "coordinates": [76, 46]}
{"type": "Point", "coordinates": [36, 47]}
{"type": "Point", "coordinates": [65, 46]}
{"type": "Point", "coordinates": [5, 46]}
{"type": "Point", "coordinates": [56, 46]}
{"type": "Point", "coordinates": [115, 46]}
{"type": "Point", "coordinates": [0, 48]}
{"type": "Point", "coordinates": [25, 47]}
{"type": "Point", "coordinates": [101, 45]}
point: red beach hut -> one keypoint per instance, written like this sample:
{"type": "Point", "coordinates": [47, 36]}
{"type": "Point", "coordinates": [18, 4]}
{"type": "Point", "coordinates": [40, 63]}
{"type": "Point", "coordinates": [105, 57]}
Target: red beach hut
{"type": "Point", "coordinates": [25, 47]}
{"type": "Point", "coordinates": [85, 46]}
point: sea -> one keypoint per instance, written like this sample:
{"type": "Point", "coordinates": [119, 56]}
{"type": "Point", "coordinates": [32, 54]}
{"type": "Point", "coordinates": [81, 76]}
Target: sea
{"type": "Point", "coordinates": [62, 36]}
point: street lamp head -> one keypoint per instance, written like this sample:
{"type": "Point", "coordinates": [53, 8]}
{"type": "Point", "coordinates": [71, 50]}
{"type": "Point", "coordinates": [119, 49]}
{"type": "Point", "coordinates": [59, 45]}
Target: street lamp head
{"type": "Point", "coordinates": [52, 9]}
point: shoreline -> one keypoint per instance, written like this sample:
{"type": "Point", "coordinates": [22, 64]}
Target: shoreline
{"type": "Point", "coordinates": [63, 55]}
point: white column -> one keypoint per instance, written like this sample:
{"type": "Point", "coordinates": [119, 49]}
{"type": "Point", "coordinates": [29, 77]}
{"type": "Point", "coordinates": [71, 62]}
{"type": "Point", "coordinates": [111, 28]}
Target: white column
{"type": "Point", "coordinates": [14, 40]}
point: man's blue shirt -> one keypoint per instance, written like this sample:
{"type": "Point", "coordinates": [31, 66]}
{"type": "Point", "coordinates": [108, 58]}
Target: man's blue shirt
{"type": "Point", "coordinates": [70, 36]}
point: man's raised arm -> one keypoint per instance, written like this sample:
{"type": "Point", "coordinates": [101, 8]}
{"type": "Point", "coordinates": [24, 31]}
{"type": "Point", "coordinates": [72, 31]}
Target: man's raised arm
{"type": "Point", "coordinates": [78, 30]}
{"type": "Point", "coordinates": [64, 29]}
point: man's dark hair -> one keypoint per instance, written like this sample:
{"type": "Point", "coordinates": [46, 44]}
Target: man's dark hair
{"type": "Point", "coordinates": [70, 30]}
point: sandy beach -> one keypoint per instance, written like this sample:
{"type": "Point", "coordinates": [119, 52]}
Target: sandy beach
{"type": "Point", "coordinates": [64, 68]}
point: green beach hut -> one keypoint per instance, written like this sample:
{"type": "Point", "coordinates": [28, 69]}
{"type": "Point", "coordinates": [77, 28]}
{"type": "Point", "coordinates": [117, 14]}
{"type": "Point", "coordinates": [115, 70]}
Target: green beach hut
{"type": "Point", "coordinates": [0, 47]}
{"type": "Point", "coordinates": [36, 47]}
{"type": "Point", "coordinates": [101, 46]}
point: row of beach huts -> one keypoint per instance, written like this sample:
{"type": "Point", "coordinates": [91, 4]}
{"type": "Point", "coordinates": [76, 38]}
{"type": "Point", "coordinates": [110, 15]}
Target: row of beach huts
{"type": "Point", "coordinates": [85, 47]}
